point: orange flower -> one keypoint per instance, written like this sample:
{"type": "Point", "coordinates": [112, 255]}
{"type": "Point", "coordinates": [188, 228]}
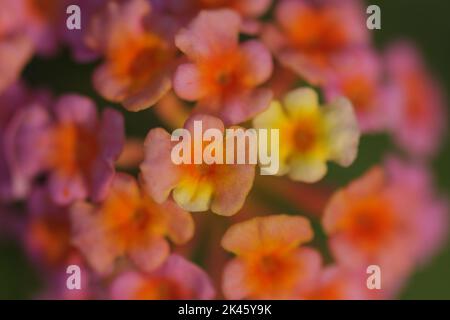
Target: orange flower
{"type": "Point", "coordinates": [128, 223]}
{"type": "Point", "coordinates": [269, 264]}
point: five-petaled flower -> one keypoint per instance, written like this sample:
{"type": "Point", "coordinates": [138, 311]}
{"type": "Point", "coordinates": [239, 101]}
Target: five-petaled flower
{"type": "Point", "coordinates": [128, 223]}
{"type": "Point", "coordinates": [224, 75]}
{"type": "Point", "coordinates": [269, 263]}
{"type": "Point", "coordinates": [309, 35]}
{"type": "Point", "coordinates": [310, 134]}
{"type": "Point", "coordinates": [195, 187]}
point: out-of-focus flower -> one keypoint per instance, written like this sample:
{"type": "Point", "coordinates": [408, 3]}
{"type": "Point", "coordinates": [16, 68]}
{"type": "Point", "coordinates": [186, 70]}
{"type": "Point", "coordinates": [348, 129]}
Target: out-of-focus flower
{"type": "Point", "coordinates": [224, 75]}
{"type": "Point", "coordinates": [24, 128]}
{"type": "Point", "coordinates": [190, 8]}
{"type": "Point", "coordinates": [384, 219]}
{"type": "Point", "coordinates": [195, 187]}
{"type": "Point", "coordinates": [82, 150]}
{"type": "Point", "coordinates": [128, 223]}
{"type": "Point", "coordinates": [176, 279]}
{"type": "Point", "coordinates": [47, 240]}
{"type": "Point", "coordinates": [310, 134]}
{"type": "Point", "coordinates": [47, 234]}
{"type": "Point", "coordinates": [358, 77]}
{"type": "Point", "coordinates": [15, 47]}
{"type": "Point", "coordinates": [269, 264]}
{"type": "Point", "coordinates": [311, 34]}
{"type": "Point", "coordinates": [415, 102]}
{"type": "Point", "coordinates": [139, 54]}
{"type": "Point", "coordinates": [427, 209]}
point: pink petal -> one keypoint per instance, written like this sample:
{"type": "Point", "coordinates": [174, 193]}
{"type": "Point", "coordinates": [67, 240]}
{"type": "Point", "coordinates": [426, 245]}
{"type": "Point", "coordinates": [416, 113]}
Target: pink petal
{"type": "Point", "coordinates": [210, 33]}
{"type": "Point", "coordinates": [187, 82]}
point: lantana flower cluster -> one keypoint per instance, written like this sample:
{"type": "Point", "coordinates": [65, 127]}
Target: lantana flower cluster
{"type": "Point", "coordinates": [76, 189]}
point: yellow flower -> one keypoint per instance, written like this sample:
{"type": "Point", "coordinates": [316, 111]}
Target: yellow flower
{"type": "Point", "coordinates": [310, 134]}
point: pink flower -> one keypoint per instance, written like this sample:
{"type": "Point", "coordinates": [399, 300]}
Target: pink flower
{"type": "Point", "coordinates": [139, 54]}
{"type": "Point", "coordinates": [428, 210]}
{"type": "Point", "coordinates": [388, 218]}
{"type": "Point", "coordinates": [416, 102]}
{"type": "Point", "coordinates": [223, 76]}
{"type": "Point", "coordinates": [311, 34]}
{"type": "Point", "coordinates": [176, 279]}
{"type": "Point", "coordinates": [128, 224]}
{"type": "Point", "coordinates": [82, 150]}
{"type": "Point", "coordinates": [358, 77]}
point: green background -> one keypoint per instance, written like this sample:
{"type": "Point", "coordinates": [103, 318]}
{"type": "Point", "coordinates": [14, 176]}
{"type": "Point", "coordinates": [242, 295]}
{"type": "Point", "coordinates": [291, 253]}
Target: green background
{"type": "Point", "coordinates": [425, 22]}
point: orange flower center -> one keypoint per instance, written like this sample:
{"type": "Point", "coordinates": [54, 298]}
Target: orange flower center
{"type": "Point", "coordinates": [317, 32]}
{"type": "Point", "coordinates": [222, 74]}
{"type": "Point", "coordinates": [370, 223]}
{"type": "Point", "coordinates": [306, 133]}
{"type": "Point", "coordinates": [132, 221]}
{"type": "Point", "coordinates": [75, 149]}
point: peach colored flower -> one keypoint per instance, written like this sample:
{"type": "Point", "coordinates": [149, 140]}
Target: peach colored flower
{"type": "Point", "coordinates": [139, 54]}
{"type": "Point", "coordinates": [269, 264]}
{"type": "Point", "coordinates": [128, 223]}
{"type": "Point", "coordinates": [311, 134]}
{"type": "Point", "coordinates": [195, 187]}
{"type": "Point", "coordinates": [224, 75]}
{"type": "Point", "coordinates": [310, 34]}
{"type": "Point", "coordinates": [176, 279]}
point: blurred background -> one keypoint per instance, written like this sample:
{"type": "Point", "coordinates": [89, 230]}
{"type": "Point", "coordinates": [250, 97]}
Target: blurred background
{"type": "Point", "coordinates": [425, 22]}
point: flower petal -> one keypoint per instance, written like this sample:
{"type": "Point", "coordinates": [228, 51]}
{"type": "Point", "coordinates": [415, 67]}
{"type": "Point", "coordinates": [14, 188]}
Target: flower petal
{"type": "Point", "coordinates": [246, 237]}
{"type": "Point", "coordinates": [211, 32]}
{"type": "Point", "coordinates": [234, 284]}
{"type": "Point", "coordinates": [187, 82]}
{"type": "Point", "coordinates": [344, 132]}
